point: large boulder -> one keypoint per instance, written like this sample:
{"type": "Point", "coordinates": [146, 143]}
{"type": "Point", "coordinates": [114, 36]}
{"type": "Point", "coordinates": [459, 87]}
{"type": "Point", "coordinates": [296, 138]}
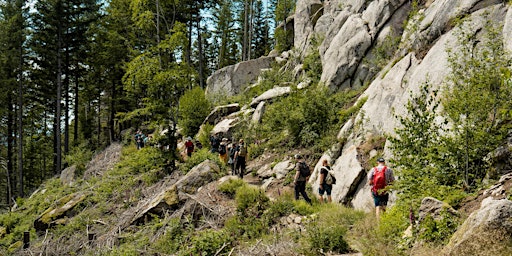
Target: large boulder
{"type": "Point", "coordinates": [220, 112]}
{"type": "Point", "coordinates": [434, 208]}
{"type": "Point", "coordinates": [171, 195]}
{"type": "Point", "coordinates": [271, 94]}
{"type": "Point", "coordinates": [198, 176]}
{"type": "Point", "coordinates": [60, 212]}
{"type": "Point", "coordinates": [67, 176]}
{"type": "Point", "coordinates": [231, 80]}
{"type": "Point", "coordinates": [489, 226]}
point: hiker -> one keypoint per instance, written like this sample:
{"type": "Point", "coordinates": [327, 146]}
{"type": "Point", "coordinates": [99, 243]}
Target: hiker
{"type": "Point", "coordinates": [325, 182]}
{"type": "Point", "coordinates": [240, 158]}
{"type": "Point", "coordinates": [139, 139]}
{"type": "Point", "coordinates": [231, 154]}
{"type": "Point", "coordinates": [214, 142]}
{"type": "Point", "coordinates": [378, 178]}
{"type": "Point", "coordinates": [189, 146]}
{"type": "Point", "coordinates": [223, 152]}
{"type": "Point", "coordinates": [301, 177]}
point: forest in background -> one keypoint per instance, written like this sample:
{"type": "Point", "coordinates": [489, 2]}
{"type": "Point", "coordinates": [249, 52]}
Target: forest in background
{"type": "Point", "coordinates": [74, 74]}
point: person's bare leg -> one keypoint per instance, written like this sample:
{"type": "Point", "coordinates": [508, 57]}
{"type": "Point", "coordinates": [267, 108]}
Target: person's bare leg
{"type": "Point", "coordinates": [329, 199]}
{"type": "Point", "coordinates": [377, 212]}
{"type": "Point", "coordinates": [321, 198]}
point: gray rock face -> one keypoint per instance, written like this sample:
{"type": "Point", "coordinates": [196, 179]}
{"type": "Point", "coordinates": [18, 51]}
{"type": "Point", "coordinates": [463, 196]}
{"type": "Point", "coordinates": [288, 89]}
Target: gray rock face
{"type": "Point", "coordinates": [231, 80]}
{"type": "Point", "coordinates": [354, 33]}
{"type": "Point", "coordinates": [344, 53]}
{"type": "Point", "coordinates": [387, 96]}
{"type": "Point", "coordinates": [492, 224]}
{"type": "Point", "coordinates": [507, 30]}
{"type": "Point", "coordinates": [306, 15]}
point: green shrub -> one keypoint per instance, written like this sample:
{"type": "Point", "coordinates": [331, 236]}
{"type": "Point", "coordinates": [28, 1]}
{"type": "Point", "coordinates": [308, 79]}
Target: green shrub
{"type": "Point", "coordinates": [209, 242]}
{"type": "Point", "coordinates": [438, 231]}
{"type": "Point", "coordinates": [251, 201]}
{"type": "Point", "coordinates": [79, 156]}
{"type": "Point", "coordinates": [231, 186]}
{"type": "Point", "coordinates": [194, 108]}
{"type": "Point", "coordinates": [326, 231]}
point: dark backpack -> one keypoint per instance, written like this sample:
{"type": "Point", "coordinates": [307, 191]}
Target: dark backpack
{"type": "Point", "coordinates": [222, 149]}
{"type": "Point", "coordinates": [304, 169]}
{"type": "Point", "coordinates": [379, 180]}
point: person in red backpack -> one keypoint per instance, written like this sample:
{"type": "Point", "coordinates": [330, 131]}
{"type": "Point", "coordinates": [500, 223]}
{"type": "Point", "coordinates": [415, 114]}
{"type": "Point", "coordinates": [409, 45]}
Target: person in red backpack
{"type": "Point", "coordinates": [379, 178]}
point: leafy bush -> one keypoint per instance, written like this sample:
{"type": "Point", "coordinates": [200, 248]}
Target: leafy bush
{"type": "Point", "coordinates": [326, 232]}
{"type": "Point", "coordinates": [231, 186]}
{"type": "Point", "coordinates": [209, 242]}
{"type": "Point", "coordinates": [194, 108]}
{"type": "Point", "coordinates": [438, 231]}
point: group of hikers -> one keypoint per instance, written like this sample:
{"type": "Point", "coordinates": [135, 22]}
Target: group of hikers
{"type": "Point", "coordinates": [234, 154]}
{"type": "Point", "coordinates": [378, 178]}
{"type": "Point", "coordinates": [230, 152]}
{"type": "Point", "coordinates": [141, 139]}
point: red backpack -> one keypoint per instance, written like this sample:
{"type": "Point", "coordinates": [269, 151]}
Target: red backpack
{"type": "Point", "coordinates": [379, 180]}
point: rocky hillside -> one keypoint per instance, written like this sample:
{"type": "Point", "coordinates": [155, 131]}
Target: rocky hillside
{"type": "Point", "coordinates": [353, 33]}
{"type": "Point", "coordinates": [126, 202]}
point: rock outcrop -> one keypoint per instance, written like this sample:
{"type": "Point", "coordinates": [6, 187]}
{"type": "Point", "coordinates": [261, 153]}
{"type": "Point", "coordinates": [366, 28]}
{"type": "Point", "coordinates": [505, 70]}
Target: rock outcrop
{"type": "Point", "coordinates": [490, 225]}
{"type": "Point", "coordinates": [231, 80]}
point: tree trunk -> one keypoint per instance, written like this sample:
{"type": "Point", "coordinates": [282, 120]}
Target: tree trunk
{"type": "Point", "coordinates": [10, 149]}
{"type": "Point", "coordinates": [200, 49]}
{"type": "Point", "coordinates": [56, 125]}
{"type": "Point", "coordinates": [111, 120]}
{"type": "Point", "coordinates": [20, 122]}
{"type": "Point", "coordinates": [66, 102]}
{"type": "Point", "coordinates": [75, 129]}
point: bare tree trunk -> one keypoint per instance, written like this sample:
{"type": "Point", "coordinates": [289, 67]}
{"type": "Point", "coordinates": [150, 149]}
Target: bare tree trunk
{"type": "Point", "coordinates": [245, 31]}
{"type": "Point", "coordinates": [56, 128]}
{"type": "Point", "coordinates": [10, 149]}
{"type": "Point", "coordinates": [75, 129]}
{"type": "Point", "coordinates": [200, 48]}
{"type": "Point", "coordinates": [66, 103]}
{"type": "Point", "coordinates": [20, 122]}
{"type": "Point", "coordinates": [112, 116]}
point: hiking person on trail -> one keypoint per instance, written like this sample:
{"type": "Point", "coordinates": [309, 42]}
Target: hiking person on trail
{"type": "Point", "coordinates": [240, 158]}
{"type": "Point", "coordinates": [223, 152]}
{"type": "Point", "coordinates": [325, 182]}
{"type": "Point", "coordinates": [378, 178]}
{"type": "Point", "coordinates": [139, 139]}
{"type": "Point", "coordinates": [231, 154]}
{"type": "Point", "coordinates": [214, 142]}
{"type": "Point", "coordinates": [189, 146]}
{"type": "Point", "coordinates": [301, 177]}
